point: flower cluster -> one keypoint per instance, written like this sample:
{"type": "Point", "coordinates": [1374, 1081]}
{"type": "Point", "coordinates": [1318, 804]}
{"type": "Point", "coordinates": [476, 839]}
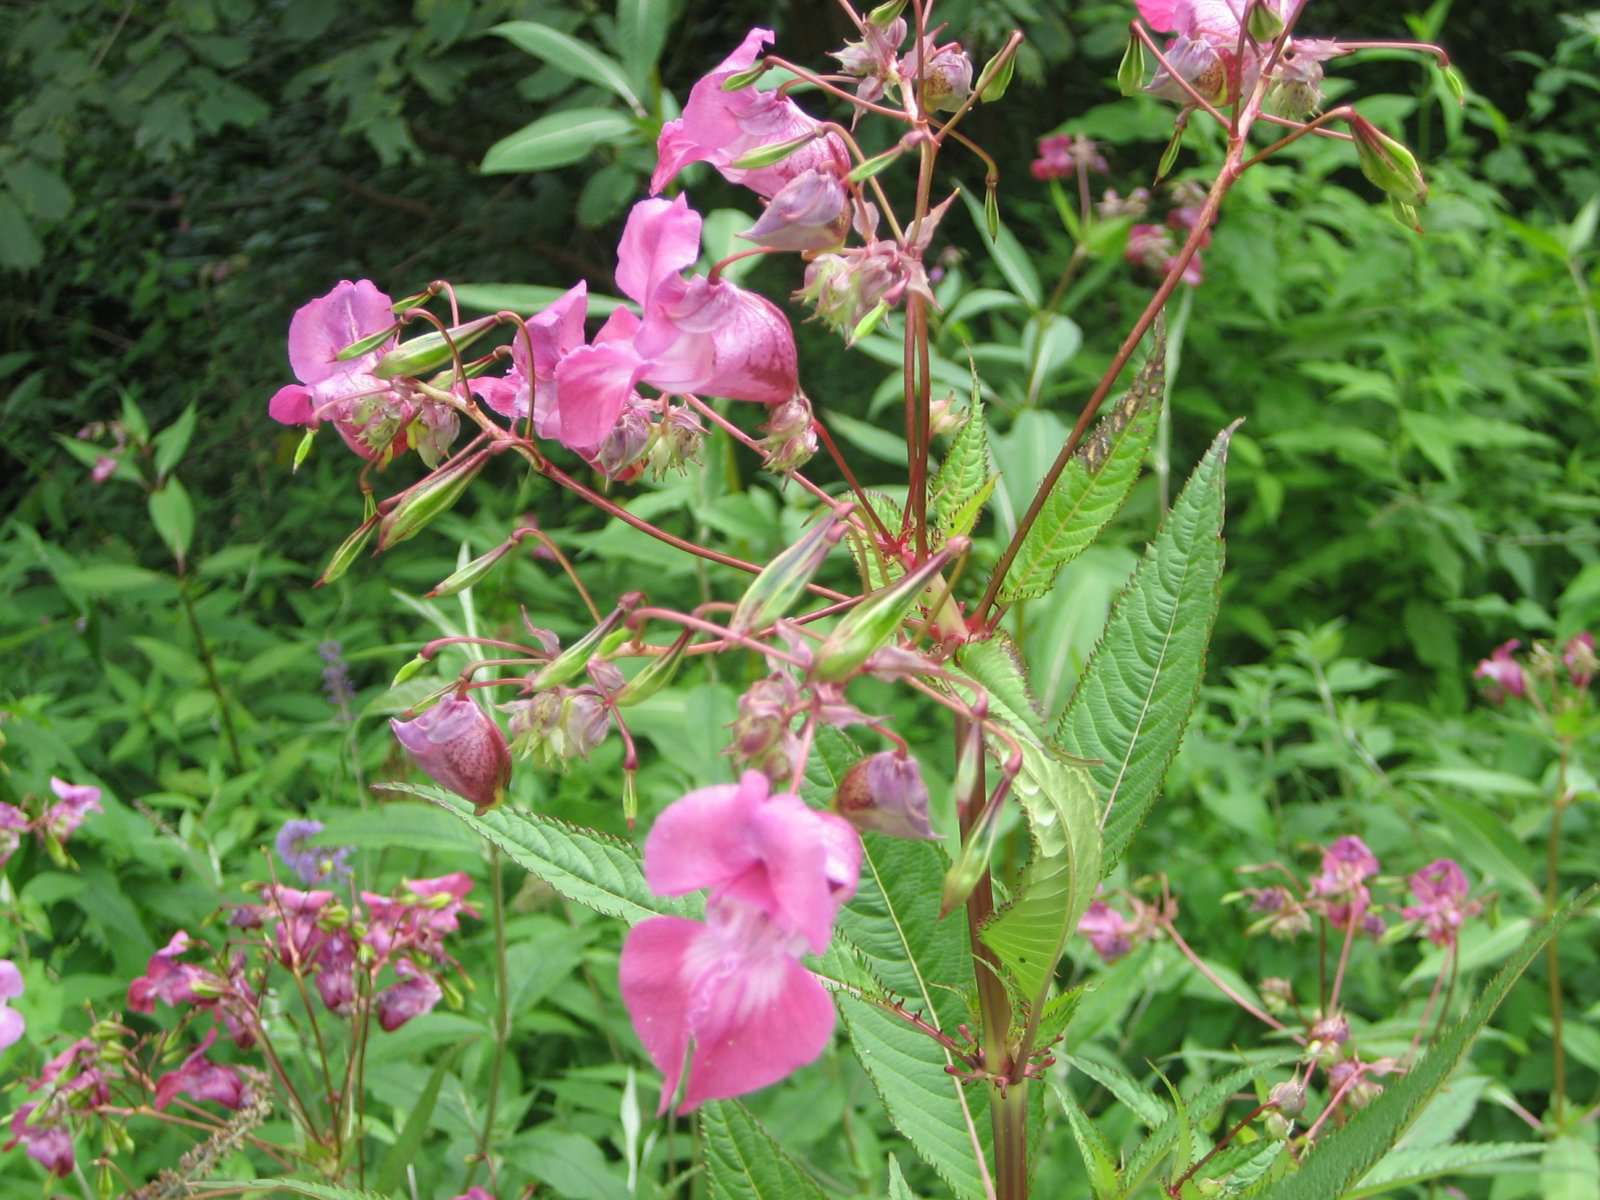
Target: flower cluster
{"type": "Point", "coordinates": [56, 822]}
{"type": "Point", "coordinates": [1504, 676]}
{"type": "Point", "coordinates": [732, 988]}
{"type": "Point", "coordinates": [1155, 247]}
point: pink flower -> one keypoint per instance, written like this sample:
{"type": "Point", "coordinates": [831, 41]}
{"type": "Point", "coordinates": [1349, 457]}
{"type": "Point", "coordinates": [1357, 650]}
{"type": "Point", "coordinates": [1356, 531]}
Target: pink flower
{"type": "Point", "coordinates": [1502, 674]}
{"type": "Point", "coordinates": [1579, 657]}
{"type": "Point", "coordinates": [946, 74]}
{"type": "Point", "coordinates": [104, 468]}
{"type": "Point", "coordinates": [415, 994]}
{"type": "Point", "coordinates": [420, 921]}
{"type": "Point", "coordinates": [368, 413]}
{"type": "Point", "coordinates": [1060, 155]}
{"type": "Point", "coordinates": [297, 912]}
{"type": "Point", "coordinates": [696, 335]}
{"type": "Point", "coordinates": [12, 1026]}
{"type": "Point", "coordinates": [529, 386]}
{"type": "Point", "coordinates": [1440, 889]}
{"type": "Point", "coordinates": [475, 1193]}
{"type": "Point", "coordinates": [75, 803]}
{"type": "Point", "coordinates": [13, 824]}
{"type": "Point", "coordinates": [50, 1145]}
{"type": "Point", "coordinates": [1203, 51]}
{"type": "Point", "coordinates": [810, 212]}
{"type": "Point", "coordinates": [1346, 865]}
{"type": "Point", "coordinates": [202, 1079]}
{"type": "Point", "coordinates": [721, 127]}
{"type": "Point", "coordinates": [1107, 931]}
{"type": "Point", "coordinates": [461, 748]}
{"type": "Point", "coordinates": [168, 980]}
{"type": "Point", "coordinates": [777, 873]}
{"type": "Point", "coordinates": [336, 972]}
{"type": "Point", "coordinates": [885, 792]}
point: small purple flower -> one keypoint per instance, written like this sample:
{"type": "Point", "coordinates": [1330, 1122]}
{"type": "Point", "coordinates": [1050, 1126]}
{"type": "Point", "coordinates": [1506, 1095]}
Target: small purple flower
{"type": "Point", "coordinates": [885, 792]}
{"type": "Point", "coordinates": [1107, 931]}
{"type": "Point", "coordinates": [336, 679]}
{"type": "Point", "coordinates": [461, 747]}
{"type": "Point", "coordinates": [1502, 674]}
{"type": "Point", "coordinates": [13, 824]}
{"type": "Point", "coordinates": [1440, 890]}
{"type": "Point", "coordinates": [202, 1079]}
{"type": "Point", "coordinates": [309, 863]}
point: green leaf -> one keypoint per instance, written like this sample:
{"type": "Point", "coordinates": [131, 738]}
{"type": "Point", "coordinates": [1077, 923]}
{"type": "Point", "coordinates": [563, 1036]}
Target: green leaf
{"type": "Point", "coordinates": [110, 579]}
{"type": "Point", "coordinates": [172, 513]}
{"type": "Point", "coordinates": [1139, 1099]}
{"type": "Point", "coordinates": [597, 871]}
{"type": "Point", "coordinates": [526, 298]}
{"type": "Point", "coordinates": [1345, 1156]}
{"type": "Point", "coordinates": [1098, 1159]}
{"type": "Point", "coordinates": [1014, 262]}
{"type": "Point", "coordinates": [964, 474]}
{"type": "Point", "coordinates": [20, 247]}
{"type": "Point", "coordinates": [892, 925]}
{"type": "Point", "coordinates": [745, 1162]}
{"type": "Point", "coordinates": [557, 140]}
{"type": "Point", "coordinates": [899, 1189]}
{"type": "Point", "coordinates": [995, 664]}
{"type": "Point", "coordinates": [578, 59]}
{"type": "Point", "coordinates": [876, 570]}
{"type": "Point", "coordinates": [172, 441]}
{"type": "Point", "coordinates": [1570, 1170]}
{"type": "Point", "coordinates": [571, 1165]}
{"type": "Point", "coordinates": [295, 1187]}
{"type": "Point", "coordinates": [1406, 1168]}
{"type": "Point", "coordinates": [1094, 485]}
{"type": "Point", "coordinates": [1134, 698]}
{"type": "Point", "coordinates": [641, 33]}
{"type": "Point", "coordinates": [1030, 933]}
{"type": "Point", "coordinates": [1203, 1106]}
{"type": "Point", "coordinates": [409, 1141]}
{"type": "Point", "coordinates": [41, 192]}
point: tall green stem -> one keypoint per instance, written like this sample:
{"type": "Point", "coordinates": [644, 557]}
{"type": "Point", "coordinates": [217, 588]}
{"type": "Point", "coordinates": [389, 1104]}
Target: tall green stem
{"type": "Point", "coordinates": [1552, 953]}
{"type": "Point", "coordinates": [204, 648]}
{"type": "Point", "coordinates": [502, 1015]}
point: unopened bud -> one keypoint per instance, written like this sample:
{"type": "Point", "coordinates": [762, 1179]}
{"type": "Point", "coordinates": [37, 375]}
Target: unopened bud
{"type": "Point", "coordinates": [1263, 22]}
{"type": "Point", "coordinates": [1130, 75]}
{"type": "Point", "coordinates": [1278, 1126]}
{"type": "Point", "coordinates": [626, 442]}
{"type": "Point", "coordinates": [886, 13]}
{"type": "Point", "coordinates": [367, 344]}
{"type": "Point", "coordinates": [1387, 163]}
{"type": "Point", "coordinates": [885, 793]}
{"type": "Point", "coordinates": [996, 75]}
{"type": "Point", "coordinates": [346, 553]}
{"type": "Point", "coordinates": [432, 350]}
{"type": "Point", "coordinates": [304, 448]}
{"type": "Point", "coordinates": [679, 438]}
{"type": "Point", "coordinates": [1277, 994]}
{"type": "Point", "coordinates": [1288, 1097]}
{"type": "Point", "coordinates": [783, 581]}
{"type": "Point", "coordinates": [876, 620]}
{"type": "Point", "coordinates": [743, 79]}
{"type": "Point", "coordinates": [105, 1031]}
{"type": "Point", "coordinates": [790, 440]}
{"type": "Point", "coordinates": [655, 674]}
{"type": "Point", "coordinates": [466, 576]}
{"type": "Point", "coordinates": [810, 212]}
{"type": "Point", "coordinates": [425, 500]}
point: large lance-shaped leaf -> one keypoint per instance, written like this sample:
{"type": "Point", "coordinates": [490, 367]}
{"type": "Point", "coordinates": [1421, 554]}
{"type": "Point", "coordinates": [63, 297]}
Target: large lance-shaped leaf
{"type": "Point", "coordinates": [1340, 1160]}
{"type": "Point", "coordinates": [963, 481]}
{"type": "Point", "coordinates": [1133, 701]}
{"type": "Point", "coordinates": [1030, 933]}
{"type": "Point", "coordinates": [745, 1162]}
{"type": "Point", "coordinates": [890, 934]}
{"type": "Point", "coordinates": [1094, 485]}
{"type": "Point", "coordinates": [592, 868]}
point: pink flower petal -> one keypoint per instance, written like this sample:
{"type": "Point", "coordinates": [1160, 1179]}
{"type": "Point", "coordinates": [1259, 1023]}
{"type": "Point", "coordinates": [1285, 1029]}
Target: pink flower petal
{"type": "Point", "coordinates": [12, 1026]}
{"type": "Point", "coordinates": [323, 327]}
{"type": "Point", "coordinates": [291, 405]}
{"type": "Point", "coordinates": [10, 980]}
{"type": "Point", "coordinates": [661, 238]}
{"type": "Point", "coordinates": [593, 386]}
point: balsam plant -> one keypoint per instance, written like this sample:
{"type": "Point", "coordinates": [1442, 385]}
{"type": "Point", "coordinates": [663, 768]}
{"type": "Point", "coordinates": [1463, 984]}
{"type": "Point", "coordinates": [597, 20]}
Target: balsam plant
{"type": "Point", "coordinates": [815, 888]}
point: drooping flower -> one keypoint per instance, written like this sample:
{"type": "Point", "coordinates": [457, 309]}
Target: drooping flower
{"type": "Point", "coordinates": [696, 335]}
{"type": "Point", "coordinates": [874, 60]}
{"type": "Point", "coordinates": [12, 1025]}
{"type": "Point", "coordinates": [776, 873]}
{"type": "Point", "coordinates": [48, 1143]}
{"type": "Point", "coordinates": [946, 78]}
{"type": "Point", "coordinates": [1061, 155]}
{"type": "Point", "coordinates": [416, 993]}
{"type": "Point", "coordinates": [201, 1079]}
{"type": "Point", "coordinates": [1579, 657]}
{"type": "Point", "coordinates": [1440, 890]}
{"type": "Point", "coordinates": [1107, 931]}
{"type": "Point", "coordinates": [810, 212]}
{"type": "Point", "coordinates": [1340, 887]}
{"type": "Point", "coordinates": [1502, 673]}
{"type": "Point", "coordinates": [885, 792]}
{"type": "Point", "coordinates": [74, 804]}
{"type": "Point", "coordinates": [310, 863]}
{"type": "Point", "coordinates": [1206, 44]}
{"type": "Point", "coordinates": [720, 127]}
{"type": "Point", "coordinates": [460, 747]}
{"type": "Point", "coordinates": [417, 921]}
{"type": "Point", "coordinates": [170, 981]}
{"type": "Point", "coordinates": [369, 413]}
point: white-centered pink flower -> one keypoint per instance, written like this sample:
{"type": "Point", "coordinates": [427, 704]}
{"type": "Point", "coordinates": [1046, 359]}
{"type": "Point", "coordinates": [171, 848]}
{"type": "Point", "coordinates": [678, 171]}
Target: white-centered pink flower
{"type": "Point", "coordinates": [732, 990]}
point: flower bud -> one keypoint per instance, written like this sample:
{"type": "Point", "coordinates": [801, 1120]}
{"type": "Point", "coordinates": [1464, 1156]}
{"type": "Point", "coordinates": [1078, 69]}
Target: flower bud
{"type": "Point", "coordinates": [679, 437]}
{"type": "Point", "coordinates": [790, 440]}
{"type": "Point", "coordinates": [946, 74]}
{"type": "Point", "coordinates": [1277, 994]}
{"type": "Point", "coordinates": [346, 553]}
{"type": "Point", "coordinates": [996, 75]}
{"type": "Point", "coordinates": [423, 501]}
{"type": "Point", "coordinates": [1387, 163]}
{"type": "Point", "coordinates": [461, 748]}
{"type": "Point", "coordinates": [810, 212]}
{"type": "Point", "coordinates": [627, 440]}
{"type": "Point", "coordinates": [1263, 22]}
{"type": "Point", "coordinates": [783, 581]}
{"type": "Point", "coordinates": [1579, 657]}
{"type": "Point", "coordinates": [432, 350]}
{"type": "Point", "coordinates": [876, 620]}
{"type": "Point", "coordinates": [885, 792]}
{"type": "Point", "coordinates": [557, 726]}
{"type": "Point", "coordinates": [1288, 1097]}
{"type": "Point", "coordinates": [1277, 1125]}
{"type": "Point", "coordinates": [656, 673]}
{"type": "Point", "coordinates": [886, 13]}
{"type": "Point", "coordinates": [1130, 74]}
{"type": "Point", "coordinates": [466, 576]}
